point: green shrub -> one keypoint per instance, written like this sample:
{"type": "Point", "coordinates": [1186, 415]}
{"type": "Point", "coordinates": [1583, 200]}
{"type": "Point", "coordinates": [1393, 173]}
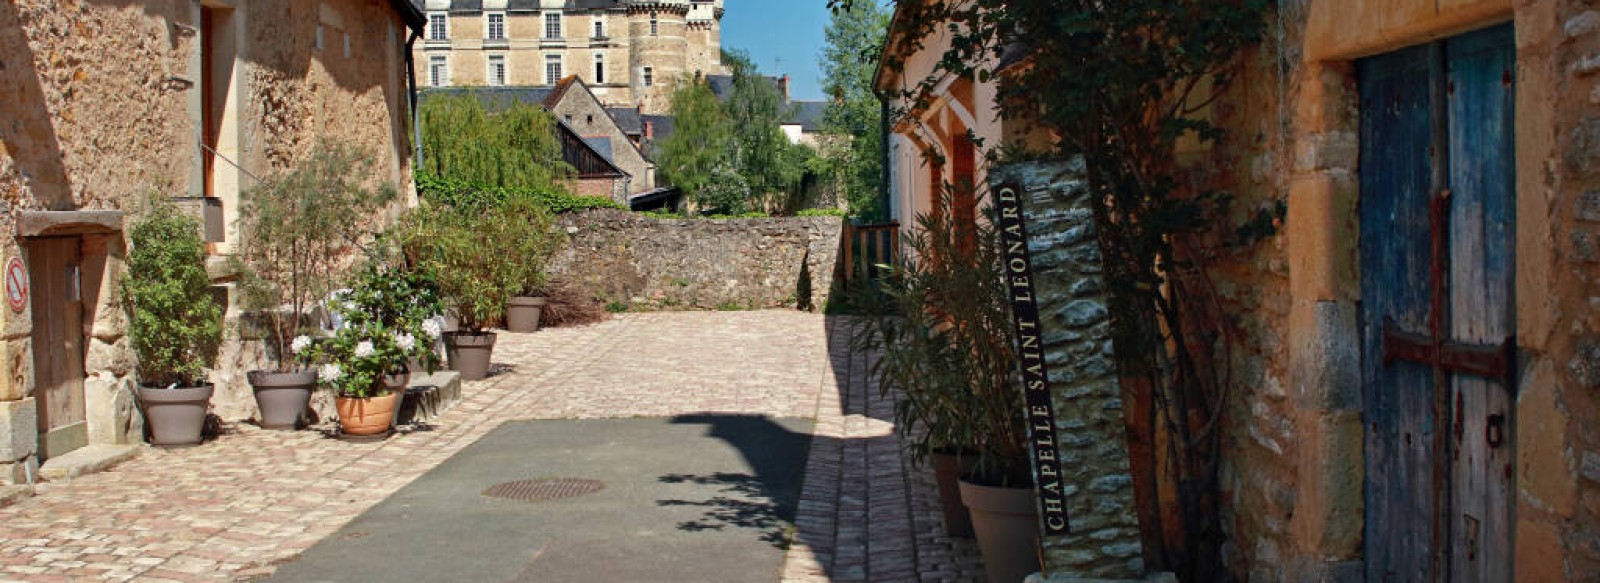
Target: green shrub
{"type": "Point", "coordinates": [298, 232]}
{"type": "Point", "coordinates": [516, 147]}
{"type": "Point", "coordinates": [175, 324]}
{"type": "Point", "coordinates": [386, 314]}
{"type": "Point", "coordinates": [617, 307]}
{"type": "Point", "coordinates": [820, 213]}
{"type": "Point", "coordinates": [473, 253]}
{"type": "Point", "coordinates": [458, 193]}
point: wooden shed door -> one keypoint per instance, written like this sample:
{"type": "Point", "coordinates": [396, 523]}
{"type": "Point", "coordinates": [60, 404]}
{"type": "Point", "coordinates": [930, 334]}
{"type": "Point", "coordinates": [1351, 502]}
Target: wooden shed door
{"type": "Point", "coordinates": [58, 349]}
{"type": "Point", "coordinates": [1438, 311]}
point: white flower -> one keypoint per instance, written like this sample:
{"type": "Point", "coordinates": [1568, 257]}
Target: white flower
{"type": "Point", "coordinates": [365, 349]}
{"type": "Point", "coordinates": [351, 307]}
{"type": "Point", "coordinates": [300, 344]}
{"type": "Point", "coordinates": [406, 342]}
{"type": "Point", "coordinates": [432, 327]}
{"type": "Point", "coordinates": [330, 372]}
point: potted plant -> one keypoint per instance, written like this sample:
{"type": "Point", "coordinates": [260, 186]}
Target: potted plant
{"type": "Point", "coordinates": [944, 329]}
{"type": "Point", "coordinates": [469, 249]}
{"type": "Point", "coordinates": [298, 229]}
{"type": "Point", "coordinates": [175, 324]}
{"type": "Point", "coordinates": [387, 324]}
{"type": "Point", "coordinates": [536, 246]}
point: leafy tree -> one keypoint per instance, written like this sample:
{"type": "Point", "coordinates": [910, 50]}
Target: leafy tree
{"type": "Point", "coordinates": [700, 143]}
{"type": "Point", "coordinates": [762, 154]}
{"type": "Point", "coordinates": [855, 116]}
{"type": "Point", "coordinates": [516, 147]}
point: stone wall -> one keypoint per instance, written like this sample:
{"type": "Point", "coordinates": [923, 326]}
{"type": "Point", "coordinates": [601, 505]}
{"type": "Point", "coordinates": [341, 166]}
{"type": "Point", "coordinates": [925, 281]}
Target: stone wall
{"type": "Point", "coordinates": [102, 105]}
{"type": "Point", "coordinates": [647, 263]}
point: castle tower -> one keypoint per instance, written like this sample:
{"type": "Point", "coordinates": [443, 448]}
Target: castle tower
{"type": "Point", "coordinates": [659, 49]}
{"type": "Point", "coordinates": [705, 38]}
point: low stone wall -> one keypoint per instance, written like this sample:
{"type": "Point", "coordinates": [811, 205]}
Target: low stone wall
{"type": "Point", "coordinates": [649, 263]}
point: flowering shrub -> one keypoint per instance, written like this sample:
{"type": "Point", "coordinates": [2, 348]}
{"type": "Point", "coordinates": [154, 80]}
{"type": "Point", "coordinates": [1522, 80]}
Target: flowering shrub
{"type": "Point", "coordinates": [388, 322]}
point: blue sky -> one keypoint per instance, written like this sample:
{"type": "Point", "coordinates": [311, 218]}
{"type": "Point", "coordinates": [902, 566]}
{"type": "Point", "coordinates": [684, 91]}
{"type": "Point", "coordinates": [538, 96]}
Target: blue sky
{"type": "Point", "coordinates": [790, 30]}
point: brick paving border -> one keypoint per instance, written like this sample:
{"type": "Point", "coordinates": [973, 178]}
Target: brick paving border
{"type": "Point", "coordinates": [236, 507]}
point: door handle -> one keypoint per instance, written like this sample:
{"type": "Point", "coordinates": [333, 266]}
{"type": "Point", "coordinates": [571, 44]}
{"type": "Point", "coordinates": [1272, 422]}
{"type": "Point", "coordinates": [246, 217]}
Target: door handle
{"type": "Point", "coordinates": [1494, 430]}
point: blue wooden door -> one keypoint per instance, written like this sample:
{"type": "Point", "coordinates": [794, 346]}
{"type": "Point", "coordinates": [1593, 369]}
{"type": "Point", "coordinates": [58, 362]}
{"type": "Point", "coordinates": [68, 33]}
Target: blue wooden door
{"type": "Point", "coordinates": [1437, 119]}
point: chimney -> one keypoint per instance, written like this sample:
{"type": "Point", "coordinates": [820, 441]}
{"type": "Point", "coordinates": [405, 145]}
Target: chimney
{"type": "Point", "coordinates": [640, 107]}
{"type": "Point", "coordinates": [649, 130]}
{"type": "Point", "coordinates": [783, 87]}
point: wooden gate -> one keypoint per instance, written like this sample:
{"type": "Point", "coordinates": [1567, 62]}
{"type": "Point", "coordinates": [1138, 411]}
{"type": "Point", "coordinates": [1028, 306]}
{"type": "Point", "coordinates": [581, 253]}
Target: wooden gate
{"type": "Point", "coordinates": [1438, 310]}
{"type": "Point", "coordinates": [58, 349]}
{"type": "Point", "coordinates": [870, 251]}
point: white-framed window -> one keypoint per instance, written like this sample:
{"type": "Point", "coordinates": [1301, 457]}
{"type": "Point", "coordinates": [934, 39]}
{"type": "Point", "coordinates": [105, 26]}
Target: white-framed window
{"type": "Point", "coordinates": [552, 25]}
{"type": "Point", "coordinates": [497, 70]}
{"type": "Point", "coordinates": [649, 76]}
{"type": "Point", "coordinates": [438, 71]}
{"type": "Point", "coordinates": [438, 26]}
{"type": "Point", "coordinates": [599, 27]}
{"type": "Point", "coordinates": [655, 25]}
{"type": "Point", "coordinates": [552, 69]}
{"type": "Point", "coordinates": [599, 68]}
{"type": "Point", "coordinates": [496, 27]}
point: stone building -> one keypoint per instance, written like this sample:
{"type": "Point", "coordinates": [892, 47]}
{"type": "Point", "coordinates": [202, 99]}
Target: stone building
{"type": "Point", "coordinates": [105, 102]}
{"type": "Point", "coordinates": [626, 51]}
{"type": "Point", "coordinates": [1358, 115]}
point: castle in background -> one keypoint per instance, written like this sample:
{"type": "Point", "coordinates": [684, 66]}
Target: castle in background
{"type": "Point", "coordinates": [626, 51]}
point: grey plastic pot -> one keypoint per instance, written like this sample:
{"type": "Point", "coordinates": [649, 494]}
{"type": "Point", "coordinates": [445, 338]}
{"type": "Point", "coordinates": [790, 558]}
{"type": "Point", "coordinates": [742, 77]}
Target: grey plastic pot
{"type": "Point", "coordinates": [1006, 522]}
{"type": "Point", "coordinates": [469, 353]}
{"type": "Point", "coordinates": [522, 314]}
{"type": "Point", "coordinates": [282, 397]}
{"type": "Point", "coordinates": [176, 416]}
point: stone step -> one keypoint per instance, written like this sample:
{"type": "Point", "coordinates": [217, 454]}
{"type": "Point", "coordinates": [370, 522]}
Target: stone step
{"type": "Point", "coordinates": [86, 460]}
{"type": "Point", "coordinates": [429, 395]}
{"type": "Point", "coordinates": [11, 494]}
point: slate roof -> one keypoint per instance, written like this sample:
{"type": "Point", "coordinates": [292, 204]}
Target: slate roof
{"type": "Point", "coordinates": [806, 114]}
{"type": "Point", "coordinates": [628, 119]}
{"type": "Point", "coordinates": [722, 85]}
{"type": "Point", "coordinates": [496, 98]}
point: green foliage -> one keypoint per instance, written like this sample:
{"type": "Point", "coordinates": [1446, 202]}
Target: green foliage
{"type": "Point", "coordinates": [821, 213]}
{"type": "Point", "coordinates": [730, 306]}
{"type": "Point", "coordinates": [516, 147]}
{"type": "Point", "coordinates": [855, 116]}
{"type": "Point", "coordinates": [480, 256]}
{"type": "Point", "coordinates": [175, 324]}
{"type": "Point", "coordinates": [298, 231]}
{"type": "Point", "coordinates": [762, 154]}
{"type": "Point", "coordinates": [617, 307]}
{"type": "Point", "coordinates": [459, 193]}
{"type": "Point", "coordinates": [1119, 84]}
{"type": "Point", "coordinates": [943, 327]}
{"type": "Point", "coordinates": [699, 146]}
{"type": "Point", "coordinates": [385, 323]}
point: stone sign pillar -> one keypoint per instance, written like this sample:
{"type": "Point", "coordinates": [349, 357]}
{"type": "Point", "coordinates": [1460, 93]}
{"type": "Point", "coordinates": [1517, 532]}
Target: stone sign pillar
{"type": "Point", "coordinates": [1089, 523]}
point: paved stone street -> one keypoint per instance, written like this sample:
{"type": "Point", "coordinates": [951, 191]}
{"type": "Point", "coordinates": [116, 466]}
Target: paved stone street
{"type": "Point", "coordinates": [236, 507]}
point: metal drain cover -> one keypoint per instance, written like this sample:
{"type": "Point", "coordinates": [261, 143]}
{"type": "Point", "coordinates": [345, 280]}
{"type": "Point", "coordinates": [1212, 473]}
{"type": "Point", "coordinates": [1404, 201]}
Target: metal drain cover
{"type": "Point", "coordinates": [545, 489]}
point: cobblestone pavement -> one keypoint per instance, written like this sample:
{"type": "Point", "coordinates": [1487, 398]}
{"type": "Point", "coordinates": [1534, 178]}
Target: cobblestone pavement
{"type": "Point", "coordinates": [235, 507]}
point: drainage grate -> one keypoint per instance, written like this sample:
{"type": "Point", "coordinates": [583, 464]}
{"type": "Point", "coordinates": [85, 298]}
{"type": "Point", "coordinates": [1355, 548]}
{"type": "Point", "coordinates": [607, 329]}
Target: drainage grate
{"type": "Point", "coordinates": [546, 489]}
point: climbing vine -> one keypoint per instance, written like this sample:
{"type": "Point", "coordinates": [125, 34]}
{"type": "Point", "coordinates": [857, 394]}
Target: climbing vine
{"type": "Point", "coordinates": [1122, 84]}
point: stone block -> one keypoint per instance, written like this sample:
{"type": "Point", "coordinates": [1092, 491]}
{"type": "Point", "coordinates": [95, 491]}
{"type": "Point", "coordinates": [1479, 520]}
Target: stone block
{"type": "Point", "coordinates": [16, 368]}
{"type": "Point", "coordinates": [1322, 238]}
{"type": "Point", "coordinates": [19, 430]}
{"type": "Point", "coordinates": [115, 357]}
{"type": "Point", "coordinates": [1325, 357]}
{"type": "Point", "coordinates": [112, 410]}
{"type": "Point", "coordinates": [1539, 552]}
{"type": "Point", "coordinates": [87, 460]}
{"type": "Point", "coordinates": [1546, 473]}
{"type": "Point", "coordinates": [1330, 476]}
{"type": "Point", "coordinates": [1331, 150]}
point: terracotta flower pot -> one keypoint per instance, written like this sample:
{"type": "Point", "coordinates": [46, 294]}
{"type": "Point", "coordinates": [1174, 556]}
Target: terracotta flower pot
{"type": "Point", "coordinates": [469, 353]}
{"type": "Point", "coordinates": [367, 416]}
{"type": "Point", "coordinates": [948, 467]}
{"type": "Point", "coordinates": [176, 416]}
{"type": "Point", "coordinates": [1006, 522]}
{"type": "Point", "coordinates": [282, 397]}
{"type": "Point", "coordinates": [522, 314]}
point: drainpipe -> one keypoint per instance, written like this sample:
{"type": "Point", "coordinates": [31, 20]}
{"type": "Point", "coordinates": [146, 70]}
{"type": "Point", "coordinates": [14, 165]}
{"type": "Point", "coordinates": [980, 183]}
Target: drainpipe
{"type": "Point", "coordinates": [411, 88]}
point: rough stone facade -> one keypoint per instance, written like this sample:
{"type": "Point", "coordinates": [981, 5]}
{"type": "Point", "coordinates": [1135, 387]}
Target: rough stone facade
{"type": "Point", "coordinates": [1074, 324]}
{"type": "Point", "coordinates": [686, 39]}
{"type": "Point", "coordinates": [580, 110]}
{"type": "Point", "coordinates": [103, 104]}
{"type": "Point", "coordinates": [647, 263]}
